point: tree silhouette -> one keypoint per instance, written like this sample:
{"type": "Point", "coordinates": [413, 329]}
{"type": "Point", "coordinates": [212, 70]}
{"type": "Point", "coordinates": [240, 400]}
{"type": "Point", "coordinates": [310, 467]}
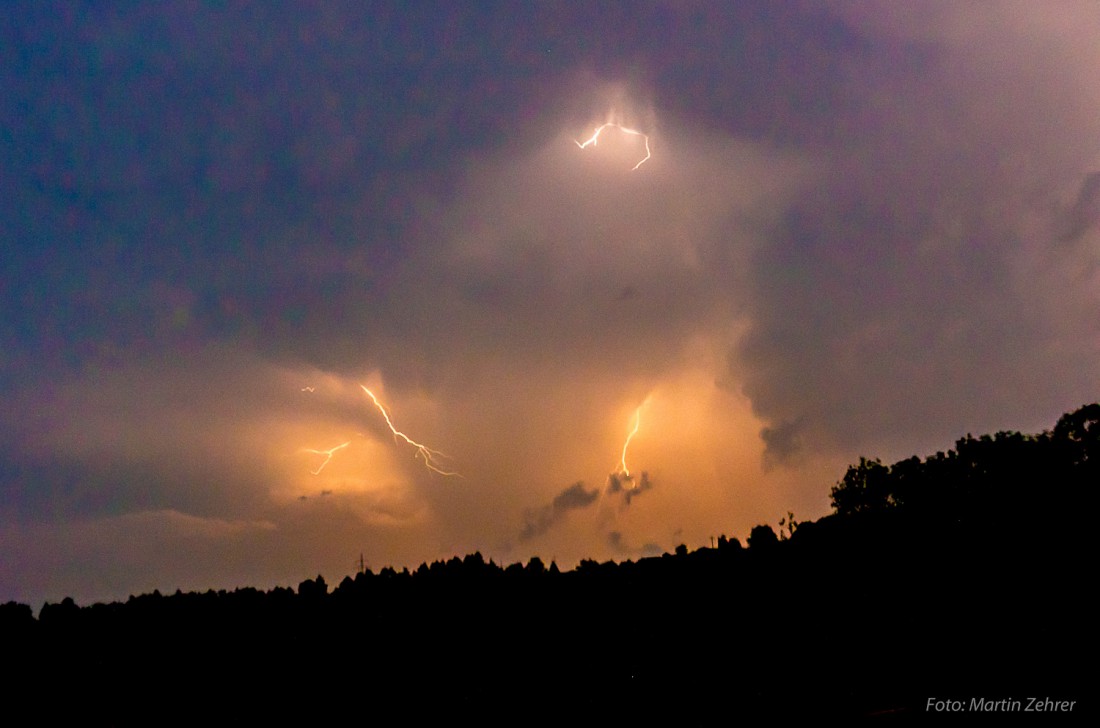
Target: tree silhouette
{"type": "Point", "coordinates": [762, 537]}
{"type": "Point", "coordinates": [1078, 434]}
{"type": "Point", "coordinates": [863, 488]}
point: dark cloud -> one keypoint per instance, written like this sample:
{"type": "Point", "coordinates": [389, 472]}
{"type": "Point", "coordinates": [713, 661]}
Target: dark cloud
{"type": "Point", "coordinates": [915, 288]}
{"type": "Point", "coordinates": [573, 497]}
{"type": "Point", "coordinates": [782, 443]}
{"type": "Point", "coordinates": [1085, 213]}
{"type": "Point", "coordinates": [619, 545]}
{"type": "Point", "coordinates": [540, 520]}
{"type": "Point", "coordinates": [615, 540]}
{"type": "Point", "coordinates": [883, 213]}
{"type": "Point", "coordinates": [631, 485]}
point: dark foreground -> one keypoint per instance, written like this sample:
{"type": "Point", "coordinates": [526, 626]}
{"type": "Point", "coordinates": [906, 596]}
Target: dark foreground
{"type": "Point", "coordinates": [949, 587]}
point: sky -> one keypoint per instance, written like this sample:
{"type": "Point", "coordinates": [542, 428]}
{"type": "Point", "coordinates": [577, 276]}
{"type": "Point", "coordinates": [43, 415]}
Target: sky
{"type": "Point", "coordinates": [809, 231]}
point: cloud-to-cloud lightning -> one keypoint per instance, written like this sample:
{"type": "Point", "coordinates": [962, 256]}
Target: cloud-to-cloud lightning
{"type": "Point", "coordinates": [592, 140]}
{"type": "Point", "coordinates": [426, 453]}
{"type": "Point", "coordinates": [328, 456]}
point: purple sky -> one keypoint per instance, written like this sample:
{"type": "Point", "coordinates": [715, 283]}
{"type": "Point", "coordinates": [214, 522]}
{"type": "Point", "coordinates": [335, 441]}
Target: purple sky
{"type": "Point", "coordinates": [865, 229]}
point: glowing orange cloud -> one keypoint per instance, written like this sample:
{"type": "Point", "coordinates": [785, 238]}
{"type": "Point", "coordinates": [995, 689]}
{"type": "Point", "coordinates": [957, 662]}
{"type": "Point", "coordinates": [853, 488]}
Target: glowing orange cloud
{"type": "Point", "coordinates": [593, 139]}
{"type": "Point", "coordinates": [328, 456]}
{"type": "Point", "coordinates": [426, 453]}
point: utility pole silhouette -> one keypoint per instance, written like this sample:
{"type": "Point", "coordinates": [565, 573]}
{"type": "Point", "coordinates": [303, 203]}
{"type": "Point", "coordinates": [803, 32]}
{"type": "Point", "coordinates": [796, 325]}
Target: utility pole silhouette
{"type": "Point", "coordinates": [360, 563]}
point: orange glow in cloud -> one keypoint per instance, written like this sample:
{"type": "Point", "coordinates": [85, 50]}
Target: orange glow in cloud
{"type": "Point", "coordinates": [427, 454]}
{"type": "Point", "coordinates": [363, 471]}
{"type": "Point", "coordinates": [592, 141]}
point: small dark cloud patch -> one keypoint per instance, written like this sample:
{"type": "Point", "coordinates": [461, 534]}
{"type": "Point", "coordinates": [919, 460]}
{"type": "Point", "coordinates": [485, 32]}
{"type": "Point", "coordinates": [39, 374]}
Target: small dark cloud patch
{"type": "Point", "coordinates": [539, 520]}
{"type": "Point", "coordinates": [619, 545]}
{"type": "Point", "coordinates": [574, 496]}
{"type": "Point", "coordinates": [1085, 213]}
{"type": "Point", "coordinates": [629, 484]}
{"type": "Point", "coordinates": [615, 541]}
{"type": "Point", "coordinates": [782, 443]}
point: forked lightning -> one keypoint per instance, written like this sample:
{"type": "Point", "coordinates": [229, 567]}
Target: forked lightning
{"type": "Point", "coordinates": [328, 456]}
{"type": "Point", "coordinates": [599, 130]}
{"type": "Point", "coordinates": [427, 454]}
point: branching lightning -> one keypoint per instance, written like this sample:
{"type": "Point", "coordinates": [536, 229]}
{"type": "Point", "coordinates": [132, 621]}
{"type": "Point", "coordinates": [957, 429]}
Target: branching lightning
{"type": "Point", "coordinates": [595, 136]}
{"type": "Point", "coordinates": [328, 455]}
{"type": "Point", "coordinates": [427, 454]}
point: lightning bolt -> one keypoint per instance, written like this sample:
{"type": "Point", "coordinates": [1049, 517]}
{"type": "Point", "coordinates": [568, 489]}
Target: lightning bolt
{"type": "Point", "coordinates": [309, 389]}
{"type": "Point", "coordinates": [328, 455]}
{"type": "Point", "coordinates": [621, 479]}
{"type": "Point", "coordinates": [593, 139]}
{"type": "Point", "coordinates": [637, 423]}
{"type": "Point", "coordinates": [427, 454]}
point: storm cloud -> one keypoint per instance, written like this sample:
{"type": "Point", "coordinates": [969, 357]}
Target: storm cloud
{"type": "Point", "coordinates": [864, 229]}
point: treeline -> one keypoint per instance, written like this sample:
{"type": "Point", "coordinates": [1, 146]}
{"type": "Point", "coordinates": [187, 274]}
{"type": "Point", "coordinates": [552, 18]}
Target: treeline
{"type": "Point", "coordinates": [959, 575]}
{"type": "Point", "coordinates": [986, 477]}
